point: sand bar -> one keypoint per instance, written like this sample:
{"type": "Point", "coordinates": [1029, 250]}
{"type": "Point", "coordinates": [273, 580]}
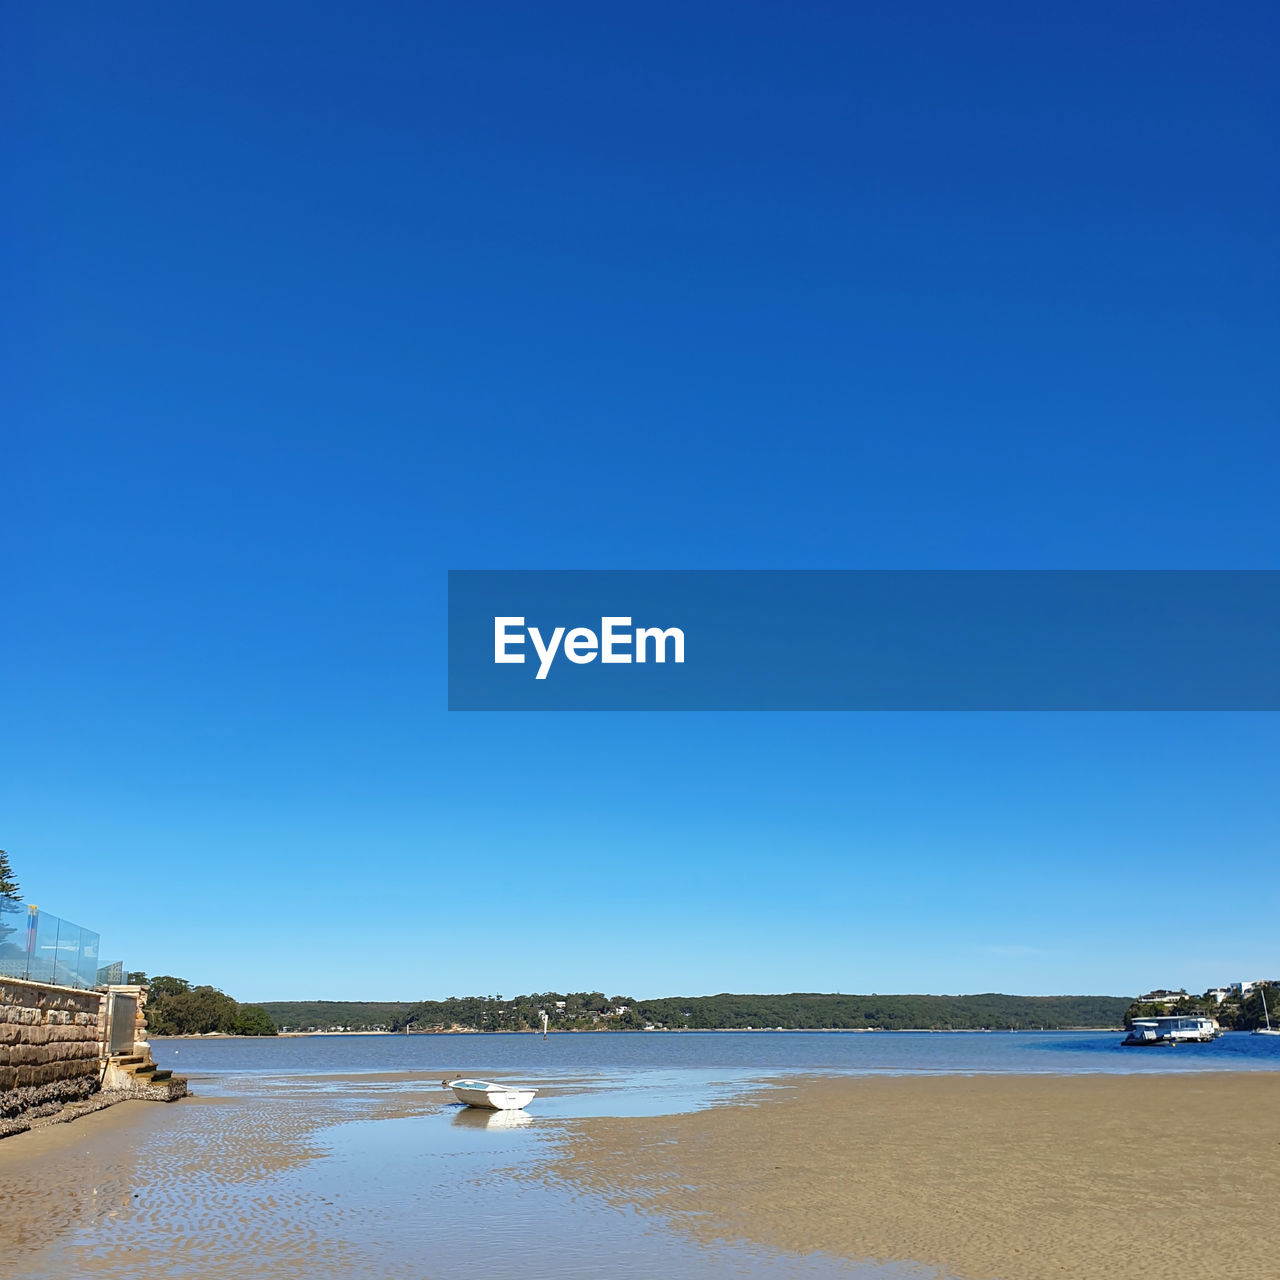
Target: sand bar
{"type": "Point", "coordinates": [1017, 1177]}
{"type": "Point", "coordinates": [984, 1177]}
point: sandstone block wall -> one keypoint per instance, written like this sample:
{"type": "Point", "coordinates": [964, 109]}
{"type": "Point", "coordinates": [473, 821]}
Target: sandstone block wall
{"type": "Point", "coordinates": [49, 1048]}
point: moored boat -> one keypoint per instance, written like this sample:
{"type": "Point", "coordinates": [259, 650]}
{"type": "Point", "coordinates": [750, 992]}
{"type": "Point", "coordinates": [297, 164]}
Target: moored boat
{"type": "Point", "coordinates": [490, 1096]}
{"type": "Point", "coordinates": [1175, 1029]}
{"type": "Point", "coordinates": [1267, 1030]}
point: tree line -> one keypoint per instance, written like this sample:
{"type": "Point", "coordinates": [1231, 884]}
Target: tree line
{"type": "Point", "coordinates": [802, 1011]}
{"type": "Point", "coordinates": [341, 1015]}
{"type": "Point", "coordinates": [176, 1008]}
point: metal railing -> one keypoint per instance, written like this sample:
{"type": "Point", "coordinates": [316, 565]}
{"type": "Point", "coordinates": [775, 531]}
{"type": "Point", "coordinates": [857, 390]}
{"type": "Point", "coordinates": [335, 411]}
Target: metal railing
{"type": "Point", "coordinates": [44, 948]}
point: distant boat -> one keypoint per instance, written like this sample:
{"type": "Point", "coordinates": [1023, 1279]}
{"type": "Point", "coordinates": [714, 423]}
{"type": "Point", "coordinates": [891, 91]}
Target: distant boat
{"type": "Point", "coordinates": [1265, 1031]}
{"type": "Point", "coordinates": [1183, 1029]}
{"type": "Point", "coordinates": [490, 1096]}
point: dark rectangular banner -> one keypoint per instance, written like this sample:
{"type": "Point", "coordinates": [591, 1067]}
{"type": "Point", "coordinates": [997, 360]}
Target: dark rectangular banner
{"type": "Point", "coordinates": [864, 640]}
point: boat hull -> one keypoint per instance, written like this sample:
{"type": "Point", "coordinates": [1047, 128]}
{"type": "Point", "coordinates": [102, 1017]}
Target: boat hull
{"type": "Point", "coordinates": [491, 1097]}
{"type": "Point", "coordinates": [1148, 1041]}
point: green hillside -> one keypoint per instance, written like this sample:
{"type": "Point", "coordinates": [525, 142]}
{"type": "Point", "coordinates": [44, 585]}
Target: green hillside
{"type": "Point", "coordinates": [799, 1011]}
{"type": "Point", "coordinates": [809, 1011]}
{"type": "Point", "coordinates": [323, 1015]}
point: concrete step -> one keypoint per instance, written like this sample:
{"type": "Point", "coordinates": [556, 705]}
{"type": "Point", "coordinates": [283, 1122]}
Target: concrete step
{"type": "Point", "coordinates": [166, 1090]}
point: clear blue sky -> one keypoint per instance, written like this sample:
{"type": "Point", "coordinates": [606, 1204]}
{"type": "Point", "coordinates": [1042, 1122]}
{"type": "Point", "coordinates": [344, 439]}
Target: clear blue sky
{"type": "Point", "coordinates": [306, 306]}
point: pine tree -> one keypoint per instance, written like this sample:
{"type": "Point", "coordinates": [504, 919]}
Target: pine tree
{"type": "Point", "coordinates": [9, 899]}
{"type": "Point", "coordinates": [8, 885]}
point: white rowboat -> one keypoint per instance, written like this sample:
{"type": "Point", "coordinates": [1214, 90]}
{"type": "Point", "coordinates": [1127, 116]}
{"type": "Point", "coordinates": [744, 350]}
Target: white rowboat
{"type": "Point", "coordinates": [492, 1097]}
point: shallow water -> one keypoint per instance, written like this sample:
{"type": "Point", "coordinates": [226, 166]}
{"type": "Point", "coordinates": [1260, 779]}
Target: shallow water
{"type": "Point", "coordinates": [456, 1196]}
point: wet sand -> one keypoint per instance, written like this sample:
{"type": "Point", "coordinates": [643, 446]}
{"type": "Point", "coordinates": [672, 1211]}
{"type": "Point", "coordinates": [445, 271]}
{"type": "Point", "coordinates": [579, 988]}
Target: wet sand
{"type": "Point", "coordinates": [1009, 1177]}
{"type": "Point", "coordinates": [145, 1188]}
{"type": "Point", "coordinates": [295, 1177]}
{"type": "Point", "coordinates": [987, 1177]}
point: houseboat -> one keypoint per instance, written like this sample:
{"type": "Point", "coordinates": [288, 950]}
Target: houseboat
{"type": "Point", "coordinates": [1179, 1029]}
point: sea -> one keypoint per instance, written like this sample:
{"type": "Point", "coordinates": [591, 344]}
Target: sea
{"type": "Point", "coordinates": [336, 1155]}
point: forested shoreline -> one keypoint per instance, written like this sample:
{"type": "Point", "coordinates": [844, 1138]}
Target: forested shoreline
{"type": "Point", "coordinates": [797, 1011]}
{"type": "Point", "coordinates": [176, 1008]}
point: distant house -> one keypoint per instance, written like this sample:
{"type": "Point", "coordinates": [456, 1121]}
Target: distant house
{"type": "Point", "coordinates": [1243, 988]}
{"type": "Point", "coordinates": [1219, 994]}
{"type": "Point", "coordinates": [1161, 995]}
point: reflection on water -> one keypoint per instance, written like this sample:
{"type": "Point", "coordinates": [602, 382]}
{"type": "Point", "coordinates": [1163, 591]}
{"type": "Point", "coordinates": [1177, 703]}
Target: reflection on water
{"type": "Point", "coordinates": [479, 1118]}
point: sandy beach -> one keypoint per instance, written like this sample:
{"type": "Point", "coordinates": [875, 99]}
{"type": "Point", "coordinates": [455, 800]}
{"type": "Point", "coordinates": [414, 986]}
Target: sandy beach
{"type": "Point", "coordinates": [987, 1177]}
{"type": "Point", "coordinates": [1009, 1177]}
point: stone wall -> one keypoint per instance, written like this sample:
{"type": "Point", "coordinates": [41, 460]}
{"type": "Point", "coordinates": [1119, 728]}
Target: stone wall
{"type": "Point", "coordinates": [49, 1049]}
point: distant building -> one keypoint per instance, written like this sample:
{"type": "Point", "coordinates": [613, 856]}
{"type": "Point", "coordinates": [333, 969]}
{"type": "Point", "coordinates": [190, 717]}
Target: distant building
{"type": "Point", "coordinates": [1243, 988]}
{"type": "Point", "coordinates": [1161, 996]}
{"type": "Point", "coordinates": [1219, 994]}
